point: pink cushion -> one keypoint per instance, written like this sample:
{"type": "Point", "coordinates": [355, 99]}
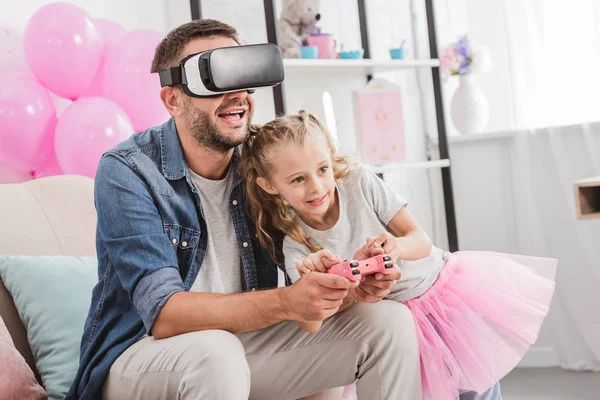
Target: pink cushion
{"type": "Point", "coordinates": [16, 378]}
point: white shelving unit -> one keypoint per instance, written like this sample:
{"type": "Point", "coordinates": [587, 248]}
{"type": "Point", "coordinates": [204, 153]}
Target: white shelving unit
{"type": "Point", "coordinates": [353, 67]}
{"type": "Point", "coordinates": [362, 67]}
{"type": "Point", "coordinates": [478, 137]}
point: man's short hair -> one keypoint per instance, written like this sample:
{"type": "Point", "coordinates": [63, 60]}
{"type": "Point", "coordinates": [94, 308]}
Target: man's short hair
{"type": "Point", "coordinates": [169, 51]}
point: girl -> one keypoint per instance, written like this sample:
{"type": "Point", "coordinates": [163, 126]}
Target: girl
{"type": "Point", "coordinates": [476, 313]}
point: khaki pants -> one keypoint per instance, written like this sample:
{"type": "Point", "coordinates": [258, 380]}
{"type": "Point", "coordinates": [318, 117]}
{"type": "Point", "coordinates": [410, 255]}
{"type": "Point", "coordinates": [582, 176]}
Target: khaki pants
{"type": "Point", "coordinates": [374, 343]}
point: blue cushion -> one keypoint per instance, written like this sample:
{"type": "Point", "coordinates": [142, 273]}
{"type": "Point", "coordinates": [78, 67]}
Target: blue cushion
{"type": "Point", "coordinates": [52, 295]}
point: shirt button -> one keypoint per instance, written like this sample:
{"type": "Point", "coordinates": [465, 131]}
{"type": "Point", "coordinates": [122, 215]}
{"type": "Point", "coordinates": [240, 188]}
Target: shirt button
{"type": "Point", "coordinates": [184, 244]}
{"type": "Point", "coordinates": [174, 241]}
{"type": "Point", "coordinates": [234, 202]}
{"type": "Point", "coordinates": [245, 244]}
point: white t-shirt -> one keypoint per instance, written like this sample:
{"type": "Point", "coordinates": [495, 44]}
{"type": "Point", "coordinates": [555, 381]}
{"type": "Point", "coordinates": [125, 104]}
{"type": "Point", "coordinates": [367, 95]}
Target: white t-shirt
{"type": "Point", "coordinates": [367, 205]}
{"type": "Point", "coordinates": [221, 269]}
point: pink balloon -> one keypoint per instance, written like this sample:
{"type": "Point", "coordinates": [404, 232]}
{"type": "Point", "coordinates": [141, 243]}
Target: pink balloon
{"type": "Point", "coordinates": [63, 48]}
{"type": "Point", "coordinates": [110, 32]}
{"type": "Point", "coordinates": [60, 104]}
{"type": "Point", "coordinates": [27, 122]}
{"type": "Point", "coordinates": [87, 128]}
{"type": "Point", "coordinates": [51, 168]}
{"type": "Point", "coordinates": [7, 175]}
{"type": "Point", "coordinates": [128, 81]}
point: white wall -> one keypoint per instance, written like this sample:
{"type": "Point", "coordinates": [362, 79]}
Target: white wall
{"type": "Point", "coordinates": [131, 14]}
{"type": "Point", "coordinates": [487, 26]}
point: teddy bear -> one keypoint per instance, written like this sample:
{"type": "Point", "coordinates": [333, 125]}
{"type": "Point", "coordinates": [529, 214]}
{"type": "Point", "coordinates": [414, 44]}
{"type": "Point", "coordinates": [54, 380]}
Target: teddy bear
{"type": "Point", "coordinates": [297, 21]}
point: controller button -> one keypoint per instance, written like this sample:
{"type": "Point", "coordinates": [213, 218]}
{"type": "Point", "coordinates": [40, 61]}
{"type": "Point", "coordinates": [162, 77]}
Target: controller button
{"type": "Point", "coordinates": [388, 265]}
{"type": "Point", "coordinates": [387, 258]}
{"type": "Point", "coordinates": [355, 272]}
{"type": "Point", "coordinates": [354, 264]}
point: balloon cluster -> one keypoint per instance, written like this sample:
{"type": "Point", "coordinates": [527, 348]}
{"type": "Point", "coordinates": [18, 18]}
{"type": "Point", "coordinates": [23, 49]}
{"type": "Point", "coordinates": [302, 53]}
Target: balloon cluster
{"type": "Point", "coordinates": [73, 87]}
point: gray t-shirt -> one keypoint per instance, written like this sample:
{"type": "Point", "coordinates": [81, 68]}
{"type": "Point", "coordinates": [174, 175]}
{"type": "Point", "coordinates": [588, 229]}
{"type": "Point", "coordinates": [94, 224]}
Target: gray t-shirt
{"type": "Point", "coordinates": [367, 205]}
{"type": "Point", "coordinates": [221, 270]}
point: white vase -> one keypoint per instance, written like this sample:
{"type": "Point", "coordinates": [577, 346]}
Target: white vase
{"type": "Point", "coordinates": [469, 107]}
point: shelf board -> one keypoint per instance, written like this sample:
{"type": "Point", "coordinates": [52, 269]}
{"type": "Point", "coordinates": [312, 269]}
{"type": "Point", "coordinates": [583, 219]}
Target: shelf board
{"type": "Point", "coordinates": [353, 67]}
{"type": "Point", "coordinates": [392, 167]}
{"type": "Point", "coordinates": [477, 137]}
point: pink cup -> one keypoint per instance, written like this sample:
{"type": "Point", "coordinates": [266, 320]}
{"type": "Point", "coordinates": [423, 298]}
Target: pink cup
{"type": "Point", "coordinates": [325, 42]}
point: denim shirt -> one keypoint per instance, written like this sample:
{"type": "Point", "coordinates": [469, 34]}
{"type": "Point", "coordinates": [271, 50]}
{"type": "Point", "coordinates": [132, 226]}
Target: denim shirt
{"type": "Point", "coordinates": [151, 240]}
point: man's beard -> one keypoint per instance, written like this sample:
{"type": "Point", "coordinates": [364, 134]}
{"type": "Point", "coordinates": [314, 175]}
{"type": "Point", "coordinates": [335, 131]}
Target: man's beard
{"type": "Point", "coordinates": [207, 134]}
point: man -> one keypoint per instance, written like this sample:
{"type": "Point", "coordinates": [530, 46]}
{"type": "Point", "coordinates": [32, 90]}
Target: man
{"type": "Point", "coordinates": [178, 311]}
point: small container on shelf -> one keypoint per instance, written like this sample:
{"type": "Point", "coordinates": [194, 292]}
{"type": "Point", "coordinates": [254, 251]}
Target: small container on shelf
{"type": "Point", "coordinates": [325, 42]}
{"type": "Point", "coordinates": [351, 54]}
{"type": "Point", "coordinates": [398, 53]}
{"type": "Point", "coordinates": [309, 52]}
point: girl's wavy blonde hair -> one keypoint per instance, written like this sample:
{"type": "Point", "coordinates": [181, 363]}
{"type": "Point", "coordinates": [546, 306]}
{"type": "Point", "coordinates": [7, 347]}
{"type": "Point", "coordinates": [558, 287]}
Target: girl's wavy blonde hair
{"type": "Point", "coordinates": [274, 217]}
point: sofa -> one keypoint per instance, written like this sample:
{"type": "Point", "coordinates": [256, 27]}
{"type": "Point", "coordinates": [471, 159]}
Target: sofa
{"type": "Point", "coordinates": [53, 216]}
{"type": "Point", "coordinates": [45, 217]}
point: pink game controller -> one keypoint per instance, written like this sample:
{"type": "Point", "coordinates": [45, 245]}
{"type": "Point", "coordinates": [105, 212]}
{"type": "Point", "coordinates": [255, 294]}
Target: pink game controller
{"type": "Point", "coordinates": [354, 270]}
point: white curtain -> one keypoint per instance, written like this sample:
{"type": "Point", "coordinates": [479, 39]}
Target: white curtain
{"type": "Point", "coordinates": [553, 51]}
{"type": "Point", "coordinates": [554, 55]}
{"type": "Point", "coordinates": [548, 161]}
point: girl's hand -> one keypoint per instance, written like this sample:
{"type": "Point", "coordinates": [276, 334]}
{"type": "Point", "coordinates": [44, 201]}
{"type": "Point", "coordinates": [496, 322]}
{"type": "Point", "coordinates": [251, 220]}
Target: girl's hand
{"type": "Point", "coordinates": [386, 243]}
{"type": "Point", "coordinates": [373, 288]}
{"type": "Point", "coordinates": [368, 250]}
{"type": "Point", "coordinates": [374, 247]}
{"type": "Point", "coordinates": [320, 261]}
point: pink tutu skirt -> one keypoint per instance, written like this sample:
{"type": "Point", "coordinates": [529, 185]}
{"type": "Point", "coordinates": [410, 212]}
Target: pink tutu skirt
{"type": "Point", "coordinates": [478, 319]}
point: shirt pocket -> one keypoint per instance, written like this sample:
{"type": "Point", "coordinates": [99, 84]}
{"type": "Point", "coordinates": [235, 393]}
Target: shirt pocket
{"type": "Point", "coordinates": [184, 241]}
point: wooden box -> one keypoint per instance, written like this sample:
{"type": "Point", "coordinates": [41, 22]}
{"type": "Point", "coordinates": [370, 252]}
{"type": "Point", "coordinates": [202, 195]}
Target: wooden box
{"type": "Point", "coordinates": [587, 198]}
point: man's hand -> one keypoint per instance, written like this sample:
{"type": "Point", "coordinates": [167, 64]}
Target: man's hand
{"type": "Point", "coordinates": [316, 296]}
{"type": "Point", "coordinates": [373, 288]}
{"type": "Point", "coordinates": [320, 261]}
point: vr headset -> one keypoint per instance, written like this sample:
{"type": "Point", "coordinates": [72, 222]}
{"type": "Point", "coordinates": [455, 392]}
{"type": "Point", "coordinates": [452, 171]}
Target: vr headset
{"type": "Point", "coordinates": [227, 69]}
